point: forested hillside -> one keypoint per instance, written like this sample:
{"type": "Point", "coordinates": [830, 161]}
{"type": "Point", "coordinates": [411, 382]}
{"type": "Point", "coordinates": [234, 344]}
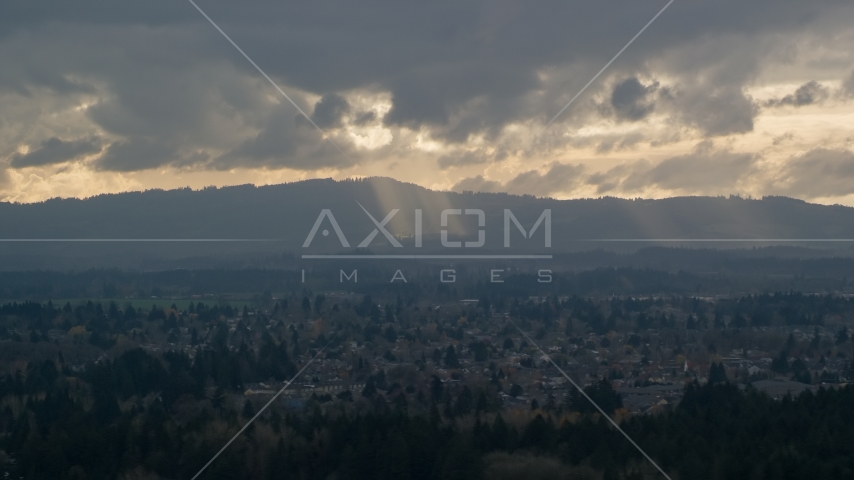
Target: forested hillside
{"type": "Point", "coordinates": [716, 432]}
{"type": "Point", "coordinates": [108, 391]}
{"type": "Point", "coordinates": [283, 216]}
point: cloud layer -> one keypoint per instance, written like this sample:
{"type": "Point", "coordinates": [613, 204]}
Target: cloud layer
{"type": "Point", "coordinates": [55, 150]}
{"type": "Point", "coordinates": [817, 173]}
{"type": "Point", "coordinates": [450, 95]}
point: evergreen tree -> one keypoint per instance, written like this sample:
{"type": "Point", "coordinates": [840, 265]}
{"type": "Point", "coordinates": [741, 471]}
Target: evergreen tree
{"type": "Point", "coordinates": [451, 360]}
{"type": "Point", "coordinates": [370, 388]}
{"type": "Point", "coordinates": [717, 373]}
{"type": "Point", "coordinates": [800, 371]}
{"type": "Point", "coordinates": [600, 392]}
{"type": "Point", "coordinates": [465, 401]}
{"type": "Point", "coordinates": [248, 409]}
{"type": "Point", "coordinates": [781, 363]}
{"type": "Point", "coordinates": [436, 388]}
{"type": "Point", "coordinates": [842, 336]}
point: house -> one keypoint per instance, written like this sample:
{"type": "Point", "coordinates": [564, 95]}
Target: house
{"type": "Point", "coordinates": [249, 392]}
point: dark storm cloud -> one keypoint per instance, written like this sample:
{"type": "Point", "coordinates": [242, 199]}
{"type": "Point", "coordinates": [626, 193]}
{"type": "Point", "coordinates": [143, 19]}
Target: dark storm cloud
{"type": "Point", "coordinates": [137, 153]}
{"type": "Point", "coordinates": [716, 111]}
{"type": "Point", "coordinates": [29, 81]}
{"type": "Point", "coordinates": [437, 59]}
{"type": "Point", "coordinates": [287, 140]}
{"type": "Point", "coordinates": [443, 104]}
{"type": "Point", "coordinates": [807, 94]}
{"type": "Point", "coordinates": [25, 15]}
{"type": "Point", "coordinates": [167, 98]}
{"type": "Point", "coordinates": [365, 118]}
{"type": "Point", "coordinates": [164, 77]}
{"type": "Point", "coordinates": [274, 143]}
{"type": "Point", "coordinates": [56, 150]}
{"type": "Point", "coordinates": [631, 99]}
{"type": "Point", "coordinates": [329, 110]}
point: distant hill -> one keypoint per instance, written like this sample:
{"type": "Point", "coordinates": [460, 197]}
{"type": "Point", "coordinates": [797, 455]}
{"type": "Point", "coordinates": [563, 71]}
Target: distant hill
{"type": "Point", "coordinates": [283, 215]}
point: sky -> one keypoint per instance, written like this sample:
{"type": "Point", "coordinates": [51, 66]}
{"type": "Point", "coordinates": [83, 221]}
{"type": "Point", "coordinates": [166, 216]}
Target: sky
{"type": "Point", "coordinates": [716, 97]}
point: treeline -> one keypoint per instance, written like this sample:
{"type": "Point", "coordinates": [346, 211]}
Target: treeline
{"type": "Point", "coordinates": [61, 422]}
{"type": "Point", "coordinates": [33, 320]}
{"type": "Point", "coordinates": [102, 324]}
{"type": "Point", "coordinates": [601, 315]}
{"type": "Point", "coordinates": [138, 416]}
{"type": "Point", "coordinates": [422, 281]}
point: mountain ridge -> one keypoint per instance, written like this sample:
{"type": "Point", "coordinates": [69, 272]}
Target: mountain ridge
{"type": "Point", "coordinates": [284, 214]}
